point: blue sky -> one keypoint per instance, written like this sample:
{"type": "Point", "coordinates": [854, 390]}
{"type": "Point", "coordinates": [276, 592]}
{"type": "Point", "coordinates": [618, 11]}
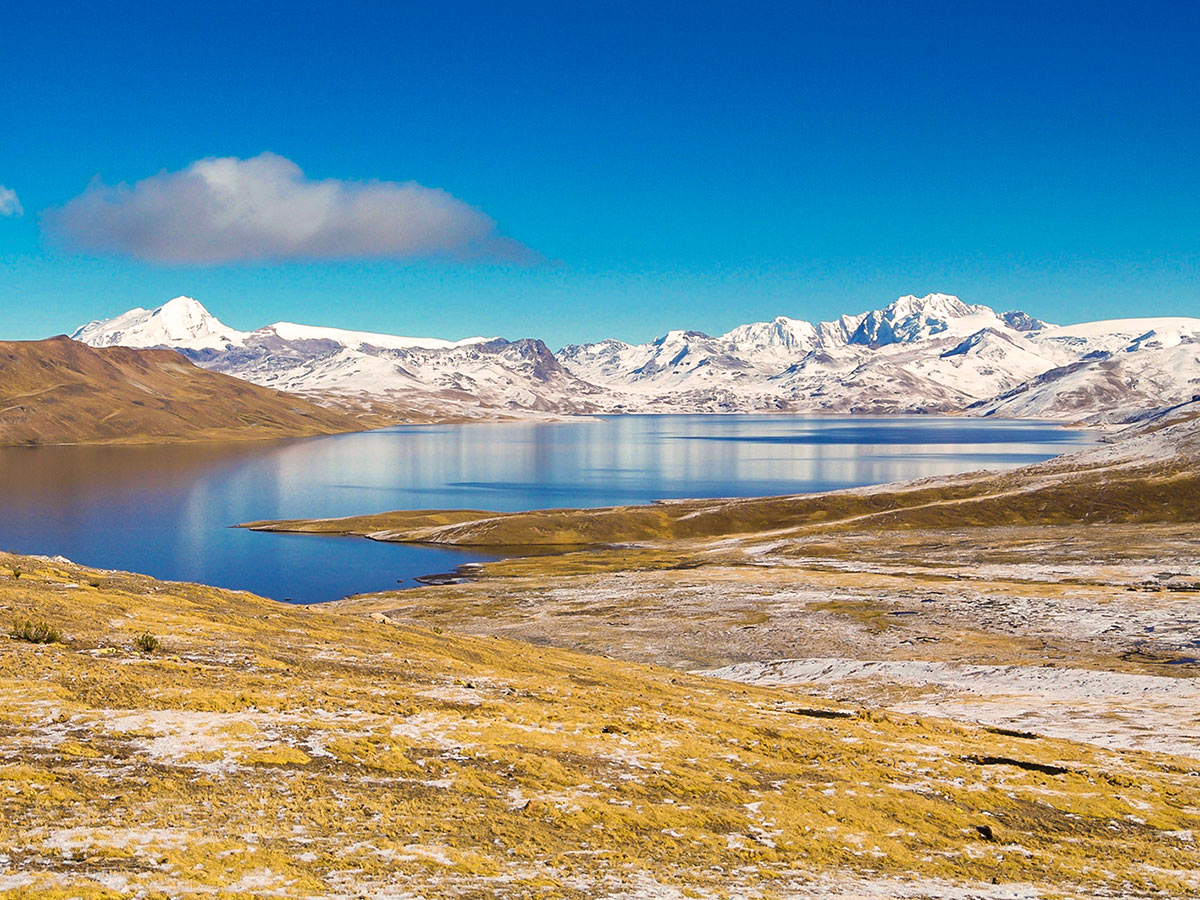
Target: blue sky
{"type": "Point", "coordinates": [690, 165]}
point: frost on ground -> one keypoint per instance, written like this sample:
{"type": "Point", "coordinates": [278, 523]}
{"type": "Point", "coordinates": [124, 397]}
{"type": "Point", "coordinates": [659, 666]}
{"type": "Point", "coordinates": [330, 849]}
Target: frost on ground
{"type": "Point", "coordinates": [1093, 635]}
{"type": "Point", "coordinates": [1112, 709]}
{"type": "Point", "coordinates": [277, 751]}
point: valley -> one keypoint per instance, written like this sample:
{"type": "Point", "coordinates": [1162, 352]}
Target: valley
{"type": "Point", "coordinates": [966, 686]}
{"type": "Point", "coordinates": [600, 452]}
{"type": "Point", "coordinates": [975, 682]}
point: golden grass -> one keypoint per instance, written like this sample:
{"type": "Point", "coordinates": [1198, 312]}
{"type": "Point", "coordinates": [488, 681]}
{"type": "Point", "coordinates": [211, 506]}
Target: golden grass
{"type": "Point", "coordinates": [304, 751]}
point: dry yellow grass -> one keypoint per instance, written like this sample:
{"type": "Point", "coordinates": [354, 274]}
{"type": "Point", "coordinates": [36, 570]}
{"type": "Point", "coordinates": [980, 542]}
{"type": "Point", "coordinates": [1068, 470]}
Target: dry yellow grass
{"type": "Point", "coordinates": [268, 749]}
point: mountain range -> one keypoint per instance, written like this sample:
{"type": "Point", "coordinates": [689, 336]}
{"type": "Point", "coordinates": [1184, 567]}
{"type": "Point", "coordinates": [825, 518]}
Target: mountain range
{"type": "Point", "coordinates": [932, 354]}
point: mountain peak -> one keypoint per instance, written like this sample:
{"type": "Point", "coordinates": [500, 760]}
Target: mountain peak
{"type": "Point", "coordinates": [783, 336]}
{"type": "Point", "coordinates": [944, 305]}
{"type": "Point", "coordinates": [183, 305]}
{"type": "Point", "coordinates": [186, 316]}
{"type": "Point", "coordinates": [180, 323]}
{"type": "Point", "coordinates": [680, 336]}
{"type": "Point", "coordinates": [911, 318]}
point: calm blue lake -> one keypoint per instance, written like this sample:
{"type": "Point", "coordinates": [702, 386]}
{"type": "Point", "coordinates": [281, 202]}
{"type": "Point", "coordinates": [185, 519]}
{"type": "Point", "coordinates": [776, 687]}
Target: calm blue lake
{"type": "Point", "coordinates": [166, 510]}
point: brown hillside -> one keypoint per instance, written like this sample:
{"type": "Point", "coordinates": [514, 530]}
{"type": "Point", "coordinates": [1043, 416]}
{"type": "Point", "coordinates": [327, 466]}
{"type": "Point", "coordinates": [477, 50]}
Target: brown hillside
{"type": "Point", "coordinates": [59, 391]}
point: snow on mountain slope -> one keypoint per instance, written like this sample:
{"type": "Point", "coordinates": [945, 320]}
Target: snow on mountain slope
{"type": "Point", "coordinates": [939, 374]}
{"type": "Point", "coordinates": [987, 362]}
{"type": "Point", "coordinates": [1121, 334]}
{"type": "Point", "coordinates": [911, 319]}
{"type": "Point", "coordinates": [782, 338]}
{"type": "Point", "coordinates": [182, 323]}
{"type": "Point", "coordinates": [928, 354]}
{"type": "Point", "coordinates": [679, 360]}
{"type": "Point", "coordinates": [458, 380]}
{"type": "Point", "coordinates": [839, 331]}
{"type": "Point", "coordinates": [1106, 387]}
{"type": "Point", "coordinates": [425, 377]}
{"type": "Point", "coordinates": [904, 356]}
{"type": "Point", "coordinates": [290, 331]}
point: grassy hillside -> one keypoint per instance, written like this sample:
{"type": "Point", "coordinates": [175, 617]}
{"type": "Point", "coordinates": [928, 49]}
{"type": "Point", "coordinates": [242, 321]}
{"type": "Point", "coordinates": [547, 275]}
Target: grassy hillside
{"type": "Point", "coordinates": [270, 750]}
{"type": "Point", "coordinates": [59, 391]}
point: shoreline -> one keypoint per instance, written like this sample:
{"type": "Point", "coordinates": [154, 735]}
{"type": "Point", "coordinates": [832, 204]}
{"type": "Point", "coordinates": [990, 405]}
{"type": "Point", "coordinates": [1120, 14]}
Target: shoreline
{"type": "Point", "coordinates": [238, 450]}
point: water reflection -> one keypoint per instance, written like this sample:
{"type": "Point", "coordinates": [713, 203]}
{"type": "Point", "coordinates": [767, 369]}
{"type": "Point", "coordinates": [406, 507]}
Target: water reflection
{"type": "Point", "coordinates": [165, 510]}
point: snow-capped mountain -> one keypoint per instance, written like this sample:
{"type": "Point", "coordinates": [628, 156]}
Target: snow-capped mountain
{"type": "Point", "coordinates": [291, 332]}
{"type": "Point", "coordinates": [182, 323]}
{"type": "Point", "coordinates": [1126, 335]}
{"type": "Point", "coordinates": [1150, 373]}
{"type": "Point", "coordinates": [917, 354]}
{"type": "Point", "coordinates": [910, 319]}
{"type": "Point", "coordinates": [467, 379]}
{"type": "Point", "coordinates": [782, 338]}
{"type": "Point", "coordinates": [409, 376]}
{"type": "Point", "coordinates": [941, 374]}
{"type": "Point", "coordinates": [678, 360]}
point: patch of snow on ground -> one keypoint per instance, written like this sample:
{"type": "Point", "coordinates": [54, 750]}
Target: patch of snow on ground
{"type": "Point", "coordinates": [1111, 709]}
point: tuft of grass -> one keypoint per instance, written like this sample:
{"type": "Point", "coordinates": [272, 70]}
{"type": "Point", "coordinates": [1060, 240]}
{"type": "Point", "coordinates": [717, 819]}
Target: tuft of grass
{"type": "Point", "coordinates": [15, 572]}
{"type": "Point", "coordinates": [147, 643]}
{"type": "Point", "coordinates": [40, 632]}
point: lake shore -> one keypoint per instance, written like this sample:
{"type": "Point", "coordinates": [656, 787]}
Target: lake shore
{"type": "Point", "coordinates": [882, 704]}
{"type": "Point", "coordinates": [892, 595]}
{"type": "Point", "coordinates": [166, 510]}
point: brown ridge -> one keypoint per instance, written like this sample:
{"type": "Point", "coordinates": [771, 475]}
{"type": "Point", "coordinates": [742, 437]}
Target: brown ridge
{"type": "Point", "coordinates": [59, 391]}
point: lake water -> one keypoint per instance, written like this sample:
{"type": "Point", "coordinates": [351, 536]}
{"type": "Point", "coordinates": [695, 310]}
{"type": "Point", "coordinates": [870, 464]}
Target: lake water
{"type": "Point", "coordinates": [166, 510]}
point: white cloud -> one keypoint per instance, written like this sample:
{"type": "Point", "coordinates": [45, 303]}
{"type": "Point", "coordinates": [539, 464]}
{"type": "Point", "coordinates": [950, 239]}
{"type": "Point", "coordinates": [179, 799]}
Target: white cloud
{"type": "Point", "coordinates": [9, 204]}
{"type": "Point", "coordinates": [226, 209]}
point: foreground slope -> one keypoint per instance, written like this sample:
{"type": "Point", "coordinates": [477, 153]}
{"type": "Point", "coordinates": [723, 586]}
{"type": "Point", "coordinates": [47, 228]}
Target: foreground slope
{"type": "Point", "coordinates": [60, 391]}
{"type": "Point", "coordinates": [268, 750]}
